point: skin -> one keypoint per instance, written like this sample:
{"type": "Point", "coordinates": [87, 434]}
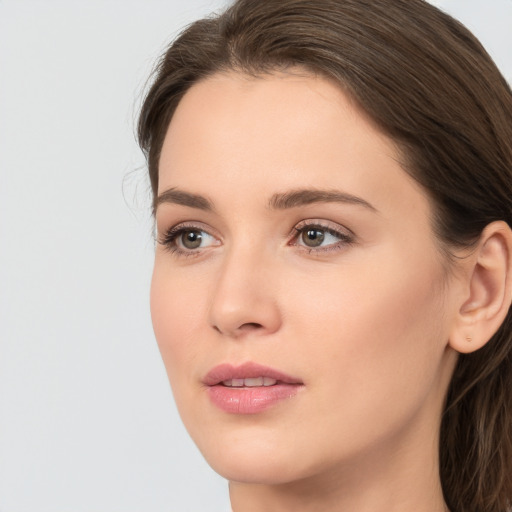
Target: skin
{"type": "Point", "coordinates": [364, 324]}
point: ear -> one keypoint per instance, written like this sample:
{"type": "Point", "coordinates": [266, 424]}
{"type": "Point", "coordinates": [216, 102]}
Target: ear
{"type": "Point", "coordinates": [487, 290]}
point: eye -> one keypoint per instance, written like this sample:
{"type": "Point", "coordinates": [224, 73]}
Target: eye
{"type": "Point", "coordinates": [187, 240]}
{"type": "Point", "coordinates": [192, 238]}
{"type": "Point", "coordinates": [314, 237]}
{"type": "Point", "coordinates": [320, 237]}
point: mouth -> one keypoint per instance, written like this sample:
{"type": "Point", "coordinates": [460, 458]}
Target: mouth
{"type": "Point", "coordinates": [250, 388]}
{"type": "Point", "coordinates": [251, 382]}
{"type": "Point", "coordinates": [247, 375]}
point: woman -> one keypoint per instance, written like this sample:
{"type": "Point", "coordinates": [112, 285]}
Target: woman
{"type": "Point", "coordinates": [332, 187]}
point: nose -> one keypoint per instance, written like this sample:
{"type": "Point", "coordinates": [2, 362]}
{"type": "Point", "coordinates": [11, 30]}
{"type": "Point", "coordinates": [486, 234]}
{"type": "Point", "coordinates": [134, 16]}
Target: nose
{"type": "Point", "coordinates": [245, 299]}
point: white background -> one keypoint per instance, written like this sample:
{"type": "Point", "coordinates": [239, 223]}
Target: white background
{"type": "Point", "coordinates": [87, 421]}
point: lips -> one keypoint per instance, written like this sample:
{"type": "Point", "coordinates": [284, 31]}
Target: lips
{"type": "Point", "coordinates": [250, 388]}
{"type": "Point", "coordinates": [246, 371]}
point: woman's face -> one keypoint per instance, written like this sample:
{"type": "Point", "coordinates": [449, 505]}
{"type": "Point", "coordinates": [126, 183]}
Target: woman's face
{"type": "Point", "coordinates": [299, 299]}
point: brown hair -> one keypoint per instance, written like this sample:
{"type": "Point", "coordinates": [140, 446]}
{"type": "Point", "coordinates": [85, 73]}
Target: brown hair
{"type": "Point", "coordinates": [430, 85]}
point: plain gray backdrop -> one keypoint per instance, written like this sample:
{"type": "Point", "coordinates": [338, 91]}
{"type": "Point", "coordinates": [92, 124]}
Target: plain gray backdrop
{"type": "Point", "coordinates": [87, 420]}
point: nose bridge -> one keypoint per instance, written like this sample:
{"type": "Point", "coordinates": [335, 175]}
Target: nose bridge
{"type": "Point", "coordinates": [245, 297]}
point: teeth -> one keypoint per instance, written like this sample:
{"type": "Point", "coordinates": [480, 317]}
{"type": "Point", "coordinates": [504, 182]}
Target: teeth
{"type": "Point", "coordinates": [250, 382]}
{"type": "Point", "coordinates": [268, 381]}
{"type": "Point", "coordinates": [253, 382]}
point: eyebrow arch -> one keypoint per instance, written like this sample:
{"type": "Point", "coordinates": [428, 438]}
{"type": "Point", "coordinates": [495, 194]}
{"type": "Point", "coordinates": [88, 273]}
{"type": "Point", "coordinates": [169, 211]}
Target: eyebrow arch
{"type": "Point", "coordinates": [302, 197]}
{"type": "Point", "coordinates": [183, 198]}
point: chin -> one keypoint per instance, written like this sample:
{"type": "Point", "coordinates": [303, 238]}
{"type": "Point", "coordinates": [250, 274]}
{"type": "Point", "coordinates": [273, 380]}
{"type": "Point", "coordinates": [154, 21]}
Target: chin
{"type": "Point", "coordinates": [253, 458]}
{"type": "Point", "coordinates": [271, 471]}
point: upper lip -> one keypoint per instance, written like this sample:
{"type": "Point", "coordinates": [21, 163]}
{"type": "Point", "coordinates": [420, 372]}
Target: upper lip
{"type": "Point", "coordinates": [248, 370]}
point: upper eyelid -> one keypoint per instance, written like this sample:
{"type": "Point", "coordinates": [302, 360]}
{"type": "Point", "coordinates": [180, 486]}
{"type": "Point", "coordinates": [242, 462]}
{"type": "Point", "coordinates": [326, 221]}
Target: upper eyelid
{"type": "Point", "coordinates": [163, 236]}
{"type": "Point", "coordinates": [169, 239]}
{"type": "Point", "coordinates": [324, 224]}
{"type": "Point", "coordinates": [345, 236]}
{"type": "Point", "coordinates": [192, 225]}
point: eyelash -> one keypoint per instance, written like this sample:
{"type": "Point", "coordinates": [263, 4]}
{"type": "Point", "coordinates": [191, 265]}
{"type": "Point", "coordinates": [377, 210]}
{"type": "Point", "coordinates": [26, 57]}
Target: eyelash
{"type": "Point", "coordinates": [344, 238]}
{"type": "Point", "coordinates": [170, 237]}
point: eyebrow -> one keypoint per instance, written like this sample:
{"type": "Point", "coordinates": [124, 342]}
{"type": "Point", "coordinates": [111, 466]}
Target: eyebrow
{"type": "Point", "coordinates": [183, 198]}
{"type": "Point", "coordinates": [281, 201]}
{"type": "Point", "coordinates": [303, 197]}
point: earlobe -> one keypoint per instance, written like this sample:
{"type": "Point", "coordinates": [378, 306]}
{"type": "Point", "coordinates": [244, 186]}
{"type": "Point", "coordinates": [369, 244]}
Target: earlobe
{"type": "Point", "coordinates": [489, 290]}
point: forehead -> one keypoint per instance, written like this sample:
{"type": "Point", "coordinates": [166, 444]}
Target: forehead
{"type": "Point", "coordinates": [276, 132]}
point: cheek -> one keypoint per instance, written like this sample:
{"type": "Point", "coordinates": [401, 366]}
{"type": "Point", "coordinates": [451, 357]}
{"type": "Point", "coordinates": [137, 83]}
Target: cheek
{"type": "Point", "coordinates": [174, 312]}
{"type": "Point", "coordinates": [377, 335]}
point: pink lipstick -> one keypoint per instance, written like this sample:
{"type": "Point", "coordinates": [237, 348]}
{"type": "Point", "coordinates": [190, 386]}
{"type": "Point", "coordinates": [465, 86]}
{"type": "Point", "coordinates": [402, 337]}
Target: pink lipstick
{"type": "Point", "coordinates": [249, 388]}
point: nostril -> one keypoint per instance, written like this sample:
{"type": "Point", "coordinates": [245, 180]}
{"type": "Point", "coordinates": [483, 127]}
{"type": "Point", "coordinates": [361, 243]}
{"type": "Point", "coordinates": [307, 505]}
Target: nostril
{"type": "Point", "coordinates": [249, 326]}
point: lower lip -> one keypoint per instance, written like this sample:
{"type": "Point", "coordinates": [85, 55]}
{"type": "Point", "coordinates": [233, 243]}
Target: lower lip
{"type": "Point", "coordinates": [250, 400]}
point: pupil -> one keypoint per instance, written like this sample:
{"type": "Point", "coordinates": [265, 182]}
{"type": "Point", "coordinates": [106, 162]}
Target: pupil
{"type": "Point", "coordinates": [313, 237]}
{"type": "Point", "coordinates": [191, 239]}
